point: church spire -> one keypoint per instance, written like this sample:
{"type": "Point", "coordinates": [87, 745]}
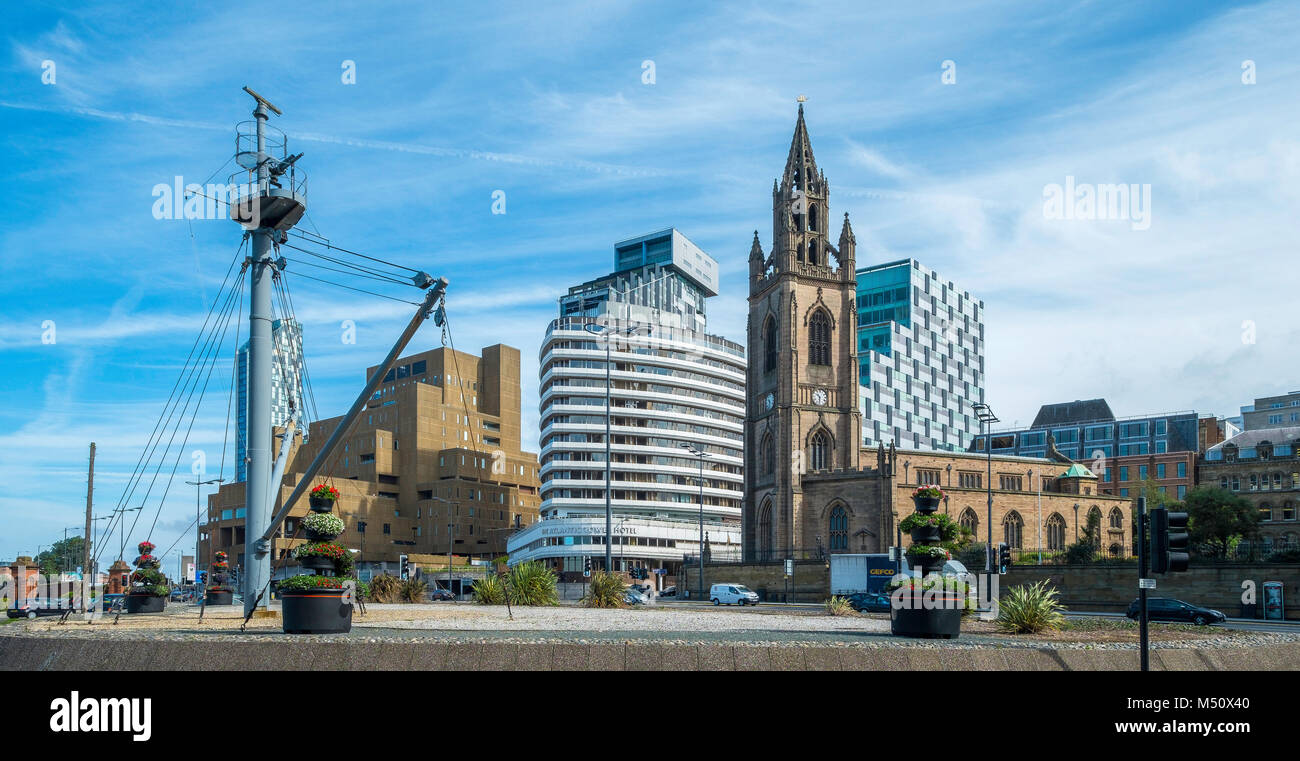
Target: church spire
{"type": "Point", "coordinates": [800, 166]}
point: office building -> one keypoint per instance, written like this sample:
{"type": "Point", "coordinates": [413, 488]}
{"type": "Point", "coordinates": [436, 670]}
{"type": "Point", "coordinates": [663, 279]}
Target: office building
{"type": "Point", "coordinates": [286, 386]}
{"type": "Point", "coordinates": [1272, 412]}
{"type": "Point", "coordinates": [1262, 465]}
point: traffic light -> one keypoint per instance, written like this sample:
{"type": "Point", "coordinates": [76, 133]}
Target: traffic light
{"type": "Point", "coordinates": [1004, 557]}
{"type": "Point", "coordinates": [405, 566]}
{"type": "Point", "coordinates": [586, 565]}
{"type": "Point", "coordinates": [1169, 541]}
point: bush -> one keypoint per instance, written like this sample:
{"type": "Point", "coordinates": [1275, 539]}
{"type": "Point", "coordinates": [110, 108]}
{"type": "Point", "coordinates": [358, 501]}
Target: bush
{"type": "Point", "coordinates": [606, 591]}
{"type": "Point", "coordinates": [1030, 610]}
{"type": "Point", "coordinates": [532, 583]}
{"type": "Point", "coordinates": [489, 591]}
{"type": "Point", "coordinates": [839, 606]}
{"type": "Point", "coordinates": [300, 583]}
{"type": "Point", "coordinates": [971, 556]}
{"type": "Point", "coordinates": [413, 590]}
{"type": "Point", "coordinates": [384, 588]}
{"type": "Point", "coordinates": [1081, 552]}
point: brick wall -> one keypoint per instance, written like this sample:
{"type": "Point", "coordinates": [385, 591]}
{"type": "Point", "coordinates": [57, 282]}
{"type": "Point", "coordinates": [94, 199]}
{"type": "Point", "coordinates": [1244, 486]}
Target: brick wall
{"type": "Point", "coordinates": [1112, 588]}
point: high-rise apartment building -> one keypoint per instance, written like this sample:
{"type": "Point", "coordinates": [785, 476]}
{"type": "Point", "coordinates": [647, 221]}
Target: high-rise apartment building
{"type": "Point", "coordinates": [671, 384]}
{"type": "Point", "coordinates": [920, 357]}
{"type": "Point", "coordinates": [286, 386]}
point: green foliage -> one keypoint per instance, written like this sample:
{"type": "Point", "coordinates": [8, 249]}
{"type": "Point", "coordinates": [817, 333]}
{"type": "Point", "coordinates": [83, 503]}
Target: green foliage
{"type": "Point", "coordinates": [305, 582]}
{"type": "Point", "coordinates": [532, 583]}
{"type": "Point", "coordinates": [1285, 556]}
{"type": "Point", "coordinates": [413, 590]}
{"type": "Point", "coordinates": [341, 556]}
{"type": "Point", "coordinates": [489, 591]}
{"type": "Point", "coordinates": [1030, 610]}
{"type": "Point", "coordinates": [63, 555]}
{"type": "Point", "coordinates": [1217, 517]}
{"type": "Point", "coordinates": [362, 589]}
{"type": "Point", "coordinates": [1081, 552]}
{"type": "Point", "coordinates": [839, 606]}
{"type": "Point", "coordinates": [949, 529]}
{"type": "Point", "coordinates": [606, 591]}
{"type": "Point", "coordinates": [384, 588]}
{"type": "Point", "coordinates": [971, 555]}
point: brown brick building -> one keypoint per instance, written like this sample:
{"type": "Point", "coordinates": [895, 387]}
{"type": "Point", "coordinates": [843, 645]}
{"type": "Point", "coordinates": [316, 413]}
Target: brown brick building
{"type": "Point", "coordinates": [439, 443]}
{"type": "Point", "coordinates": [1174, 473]}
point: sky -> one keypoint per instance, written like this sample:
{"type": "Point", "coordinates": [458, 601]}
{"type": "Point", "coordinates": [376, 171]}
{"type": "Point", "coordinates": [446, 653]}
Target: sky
{"type": "Point", "coordinates": [942, 129]}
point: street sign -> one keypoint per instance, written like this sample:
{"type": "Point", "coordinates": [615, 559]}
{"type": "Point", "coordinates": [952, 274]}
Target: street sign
{"type": "Point", "coordinates": [661, 571]}
{"type": "Point", "coordinates": [1146, 583]}
{"type": "Point", "coordinates": [789, 567]}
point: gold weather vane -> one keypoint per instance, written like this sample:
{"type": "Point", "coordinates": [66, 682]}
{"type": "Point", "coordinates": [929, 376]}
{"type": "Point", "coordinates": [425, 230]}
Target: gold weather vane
{"type": "Point", "coordinates": [802, 99]}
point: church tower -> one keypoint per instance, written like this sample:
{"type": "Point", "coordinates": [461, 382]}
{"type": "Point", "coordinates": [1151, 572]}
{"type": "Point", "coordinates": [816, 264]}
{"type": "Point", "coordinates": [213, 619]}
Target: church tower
{"type": "Point", "coordinates": [802, 413]}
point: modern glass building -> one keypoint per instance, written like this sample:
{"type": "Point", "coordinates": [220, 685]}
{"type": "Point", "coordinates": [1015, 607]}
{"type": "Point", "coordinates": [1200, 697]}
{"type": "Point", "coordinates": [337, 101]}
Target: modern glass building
{"type": "Point", "coordinates": [1088, 430]}
{"type": "Point", "coordinates": [672, 383]}
{"type": "Point", "coordinates": [920, 357]}
{"type": "Point", "coordinates": [286, 386]}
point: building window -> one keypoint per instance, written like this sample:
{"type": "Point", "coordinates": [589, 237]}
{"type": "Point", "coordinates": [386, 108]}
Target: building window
{"type": "Point", "coordinates": [1055, 532]}
{"type": "Point", "coordinates": [767, 455]}
{"type": "Point", "coordinates": [769, 345]}
{"type": "Point", "coordinates": [1117, 518]}
{"type": "Point", "coordinates": [1142, 472]}
{"type": "Point", "coordinates": [1182, 491]}
{"type": "Point", "coordinates": [388, 528]}
{"type": "Point", "coordinates": [970, 521]}
{"type": "Point", "coordinates": [1010, 483]}
{"type": "Point", "coordinates": [928, 477]}
{"type": "Point", "coordinates": [1182, 470]}
{"type": "Point", "coordinates": [1288, 511]}
{"type": "Point", "coordinates": [839, 529]}
{"type": "Point", "coordinates": [1123, 472]}
{"type": "Point", "coordinates": [1265, 513]}
{"type": "Point", "coordinates": [766, 533]}
{"type": "Point", "coordinates": [1160, 470]}
{"type": "Point", "coordinates": [820, 451]}
{"type": "Point", "coordinates": [1094, 524]}
{"type": "Point", "coordinates": [819, 339]}
{"type": "Point", "coordinates": [1013, 529]}
{"type": "Point", "coordinates": [970, 480]}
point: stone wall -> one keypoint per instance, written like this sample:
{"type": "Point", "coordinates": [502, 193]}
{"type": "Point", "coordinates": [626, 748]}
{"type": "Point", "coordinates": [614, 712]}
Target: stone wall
{"type": "Point", "coordinates": [1111, 588]}
{"type": "Point", "coordinates": [811, 581]}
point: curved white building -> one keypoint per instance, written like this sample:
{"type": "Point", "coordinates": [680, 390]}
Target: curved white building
{"type": "Point", "coordinates": [671, 384]}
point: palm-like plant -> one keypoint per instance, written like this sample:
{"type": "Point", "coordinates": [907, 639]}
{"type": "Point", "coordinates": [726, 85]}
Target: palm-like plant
{"type": "Point", "coordinates": [532, 583]}
{"type": "Point", "coordinates": [1030, 610]}
{"type": "Point", "coordinates": [384, 588]}
{"type": "Point", "coordinates": [489, 590]}
{"type": "Point", "coordinates": [839, 606]}
{"type": "Point", "coordinates": [413, 590]}
{"type": "Point", "coordinates": [606, 591]}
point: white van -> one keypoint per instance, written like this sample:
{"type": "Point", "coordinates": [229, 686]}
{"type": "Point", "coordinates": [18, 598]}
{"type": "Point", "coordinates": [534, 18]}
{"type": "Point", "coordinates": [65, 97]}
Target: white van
{"type": "Point", "coordinates": [732, 594]}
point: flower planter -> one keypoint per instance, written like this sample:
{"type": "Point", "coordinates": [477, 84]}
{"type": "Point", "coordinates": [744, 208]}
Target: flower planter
{"type": "Point", "coordinates": [315, 611]}
{"type": "Point", "coordinates": [317, 563]}
{"type": "Point", "coordinates": [928, 563]}
{"type": "Point", "coordinates": [145, 603]}
{"type": "Point", "coordinates": [926, 505]}
{"type": "Point", "coordinates": [320, 504]}
{"type": "Point", "coordinates": [315, 536]}
{"type": "Point", "coordinates": [219, 597]}
{"type": "Point", "coordinates": [926, 535]}
{"type": "Point", "coordinates": [933, 623]}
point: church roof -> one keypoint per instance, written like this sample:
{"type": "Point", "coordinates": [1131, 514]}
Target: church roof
{"type": "Point", "coordinates": [1077, 471]}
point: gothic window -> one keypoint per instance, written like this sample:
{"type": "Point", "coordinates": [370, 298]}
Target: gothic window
{"type": "Point", "coordinates": [819, 339]}
{"type": "Point", "coordinates": [969, 520]}
{"type": "Point", "coordinates": [839, 529]}
{"type": "Point", "coordinates": [1116, 518]}
{"type": "Point", "coordinates": [769, 345]}
{"type": "Point", "coordinates": [820, 451]}
{"type": "Point", "coordinates": [1013, 530]}
{"type": "Point", "coordinates": [1094, 524]}
{"type": "Point", "coordinates": [1055, 532]}
{"type": "Point", "coordinates": [812, 252]}
{"type": "Point", "coordinates": [812, 217]}
{"type": "Point", "coordinates": [766, 536]}
{"type": "Point", "coordinates": [798, 251]}
{"type": "Point", "coordinates": [767, 456]}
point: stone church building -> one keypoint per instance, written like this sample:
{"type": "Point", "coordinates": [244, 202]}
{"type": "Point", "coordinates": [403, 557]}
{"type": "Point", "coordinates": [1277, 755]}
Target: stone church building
{"type": "Point", "coordinates": [810, 486]}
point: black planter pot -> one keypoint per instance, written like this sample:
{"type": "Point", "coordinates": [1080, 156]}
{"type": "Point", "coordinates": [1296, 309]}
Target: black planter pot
{"type": "Point", "coordinates": [926, 505]}
{"type": "Point", "coordinates": [934, 623]}
{"type": "Point", "coordinates": [317, 563]}
{"type": "Point", "coordinates": [927, 563]}
{"type": "Point", "coordinates": [145, 603]}
{"type": "Point", "coordinates": [219, 597]}
{"type": "Point", "coordinates": [316, 536]}
{"type": "Point", "coordinates": [321, 505]}
{"type": "Point", "coordinates": [315, 611]}
{"type": "Point", "coordinates": [925, 535]}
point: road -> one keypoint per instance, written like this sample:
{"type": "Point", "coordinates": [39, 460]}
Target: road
{"type": "Point", "coordinates": [1242, 624]}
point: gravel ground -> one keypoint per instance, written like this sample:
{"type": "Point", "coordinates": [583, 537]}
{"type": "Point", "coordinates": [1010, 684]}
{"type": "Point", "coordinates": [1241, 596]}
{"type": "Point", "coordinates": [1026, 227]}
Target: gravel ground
{"type": "Point", "coordinates": [468, 623]}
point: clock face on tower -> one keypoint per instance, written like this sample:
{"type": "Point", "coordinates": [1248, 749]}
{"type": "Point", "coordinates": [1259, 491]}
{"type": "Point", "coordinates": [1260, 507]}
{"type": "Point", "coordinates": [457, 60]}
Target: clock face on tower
{"type": "Point", "coordinates": [819, 397]}
{"type": "Point", "coordinates": [769, 400]}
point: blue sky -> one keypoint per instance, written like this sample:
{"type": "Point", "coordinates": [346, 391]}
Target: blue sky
{"type": "Point", "coordinates": [454, 101]}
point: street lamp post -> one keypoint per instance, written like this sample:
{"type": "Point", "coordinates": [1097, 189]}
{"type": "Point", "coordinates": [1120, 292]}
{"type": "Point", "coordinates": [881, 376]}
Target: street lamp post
{"type": "Point", "coordinates": [606, 332]}
{"type": "Point", "coordinates": [987, 419]}
{"type": "Point", "coordinates": [451, 530]}
{"type": "Point", "coordinates": [699, 454]}
{"type": "Point", "coordinates": [198, 521]}
{"type": "Point", "coordinates": [121, 550]}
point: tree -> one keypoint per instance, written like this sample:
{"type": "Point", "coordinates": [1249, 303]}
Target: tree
{"type": "Point", "coordinates": [63, 555]}
{"type": "Point", "coordinates": [1217, 518]}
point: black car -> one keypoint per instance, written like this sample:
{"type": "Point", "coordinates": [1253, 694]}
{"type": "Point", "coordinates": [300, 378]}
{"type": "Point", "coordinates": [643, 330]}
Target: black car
{"type": "Point", "coordinates": [1169, 609]}
{"type": "Point", "coordinates": [33, 608]}
{"type": "Point", "coordinates": [441, 594]}
{"type": "Point", "coordinates": [872, 602]}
